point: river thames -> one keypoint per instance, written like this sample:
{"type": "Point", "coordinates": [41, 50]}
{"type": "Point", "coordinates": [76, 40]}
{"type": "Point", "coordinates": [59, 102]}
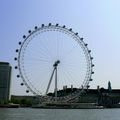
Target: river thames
{"type": "Point", "coordinates": [59, 114]}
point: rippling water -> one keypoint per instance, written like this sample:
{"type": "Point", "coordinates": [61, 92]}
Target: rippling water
{"type": "Point", "coordinates": [59, 114]}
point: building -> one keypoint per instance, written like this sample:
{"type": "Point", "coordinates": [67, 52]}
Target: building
{"type": "Point", "coordinates": [100, 97]}
{"type": "Point", "coordinates": [5, 80]}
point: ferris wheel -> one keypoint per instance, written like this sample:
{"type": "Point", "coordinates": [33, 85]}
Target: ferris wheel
{"type": "Point", "coordinates": [52, 57]}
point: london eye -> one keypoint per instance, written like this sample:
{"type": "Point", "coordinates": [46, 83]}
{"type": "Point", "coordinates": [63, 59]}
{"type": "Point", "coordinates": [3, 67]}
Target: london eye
{"type": "Point", "coordinates": [52, 57]}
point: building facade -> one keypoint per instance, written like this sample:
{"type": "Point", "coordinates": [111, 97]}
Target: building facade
{"type": "Point", "coordinates": [5, 81]}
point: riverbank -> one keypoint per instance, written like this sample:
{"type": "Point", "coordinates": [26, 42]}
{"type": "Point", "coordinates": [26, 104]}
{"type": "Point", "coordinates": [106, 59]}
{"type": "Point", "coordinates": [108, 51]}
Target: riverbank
{"type": "Point", "coordinates": [68, 106]}
{"type": "Point", "coordinates": [60, 106]}
{"type": "Point", "coordinates": [9, 105]}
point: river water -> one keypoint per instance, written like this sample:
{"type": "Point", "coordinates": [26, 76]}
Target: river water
{"type": "Point", "coordinates": [59, 114]}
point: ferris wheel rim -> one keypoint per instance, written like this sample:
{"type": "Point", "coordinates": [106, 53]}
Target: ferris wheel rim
{"type": "Point", "coordinates": [69, 32]}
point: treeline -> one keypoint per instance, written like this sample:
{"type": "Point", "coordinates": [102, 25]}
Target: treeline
{"type": "Point", "coordinates": [22, 102]}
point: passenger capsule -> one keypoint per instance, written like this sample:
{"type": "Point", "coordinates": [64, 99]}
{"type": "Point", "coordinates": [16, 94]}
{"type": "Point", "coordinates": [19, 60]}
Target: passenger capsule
{"type": "Point", "coordinates": [20, 43]}
{"type": "Point", "coordinates": [21, 84]}
{"type": "Point", "coordinates": [27, 91]}
{"type": "Point", "coordinates": [63, 26]}
{"type": "Point", "coordinates": [29, 31]}
{"type": "Point", "coordinates": [16, 50]}
{"type": "Point", "coordinates": [86, 44]}
{"type": "Point", "coordinates": [50, 24]}
{"type": "Point", "coordinates": [89, 51]}
{"type": "Point", "coordinates": [15, 58]}
{"type": "Point", "coordinates": [91, 58]}
{"type": "Point", "coordinates": [57, 24]}
{"type": "Point", "coordinates": [88, 86]}
{"type": "Point", "coordinates": [24, 36]}
{"type": "Point", "coordinates": [36, 27]}
{"type": "Point", "coordinates": [16, 67]}
{"type": "Point", "coordinates": [42, 25]}
{"type": "Point", "coordinates": [93, 65]}
{"type": "Point", "coordinates": [76, 33]}
{"type": "Point", "coordinates": [81, 39]}
{"type": "Point", "coordinates": [91, 80]}
{"type": "Point", "coordinates": [92, 72]}
{"type": "Point", "coordinates": [18, 76]}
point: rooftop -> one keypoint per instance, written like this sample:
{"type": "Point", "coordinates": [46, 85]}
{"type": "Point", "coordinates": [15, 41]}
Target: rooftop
{"type": "Point", "coordinates": [4, 63]}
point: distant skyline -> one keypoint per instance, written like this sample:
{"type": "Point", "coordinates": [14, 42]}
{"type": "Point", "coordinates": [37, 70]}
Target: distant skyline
{"type": "Point", "coordinates": [98, 22]}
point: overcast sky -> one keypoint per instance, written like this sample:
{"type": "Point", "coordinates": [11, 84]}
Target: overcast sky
{"type": "Point", "coordinates": [97, 21]}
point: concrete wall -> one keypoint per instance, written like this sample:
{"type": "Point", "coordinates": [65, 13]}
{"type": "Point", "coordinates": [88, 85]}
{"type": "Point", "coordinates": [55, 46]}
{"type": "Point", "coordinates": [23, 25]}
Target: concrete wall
{"type": "Point", "coordinates": [5, 80]}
